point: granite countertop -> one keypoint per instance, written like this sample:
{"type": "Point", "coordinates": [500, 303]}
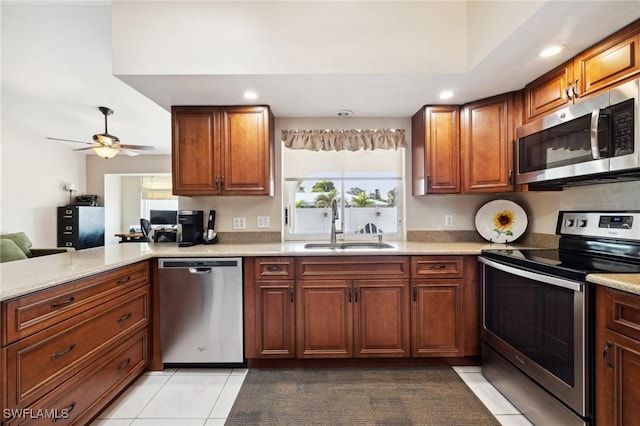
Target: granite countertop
{"type": "Point", "coordinates": [27, 276]}
{"type": "Point", "coordinates": [625, 282]}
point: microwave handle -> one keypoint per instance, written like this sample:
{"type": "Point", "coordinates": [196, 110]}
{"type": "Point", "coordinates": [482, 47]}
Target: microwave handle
{"type": "Point", "coordinates": [593, 133]}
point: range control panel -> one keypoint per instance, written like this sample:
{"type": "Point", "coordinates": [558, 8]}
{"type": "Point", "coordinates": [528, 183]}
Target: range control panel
{"type": "Point", "coordinates": [623, 225]}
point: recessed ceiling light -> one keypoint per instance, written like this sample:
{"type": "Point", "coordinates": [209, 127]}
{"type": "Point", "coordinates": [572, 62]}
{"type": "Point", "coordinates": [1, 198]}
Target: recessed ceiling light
{"type": "Point", "coordinates": [551, 50]}
{"type": "Point", "coordinates": [344, 113]}
{"type": "Point", "coordinates": [251, 95]}
{"type": "Point", "coordinates": [446, 94]}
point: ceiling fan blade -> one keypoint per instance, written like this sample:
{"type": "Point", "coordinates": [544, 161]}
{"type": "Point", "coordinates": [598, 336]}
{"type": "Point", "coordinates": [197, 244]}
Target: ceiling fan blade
{"type": "Point", "coordinates": [83, 149]}
{"type": "Point", "coordinates": [127, 152]}
{"type": "Point", "coordinates": [141, 147]}
{"type": "Point", "coordinates": [69, 140]}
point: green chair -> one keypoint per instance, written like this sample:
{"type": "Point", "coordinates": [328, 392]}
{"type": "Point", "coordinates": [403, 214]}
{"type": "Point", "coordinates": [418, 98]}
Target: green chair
{"type": "Point", "coordinates": [17, 246]}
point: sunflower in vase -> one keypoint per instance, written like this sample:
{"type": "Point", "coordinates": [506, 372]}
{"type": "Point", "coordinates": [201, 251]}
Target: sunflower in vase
{"type": "Point", "coordinates": [503, 221]}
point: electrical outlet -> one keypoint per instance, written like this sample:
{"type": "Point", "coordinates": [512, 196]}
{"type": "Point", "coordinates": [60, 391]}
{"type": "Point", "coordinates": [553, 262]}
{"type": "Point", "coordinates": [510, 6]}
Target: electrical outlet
{"type": "Point", "coordinates": [448, 220]}
{"type": "Point", "coordinates": [263, 222]}
{"type": "Point", "coordinates": [239, 223]}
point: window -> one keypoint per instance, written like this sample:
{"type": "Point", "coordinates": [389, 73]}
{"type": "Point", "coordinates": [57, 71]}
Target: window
{"type": "Point", "coordinates": [156, 194]}
{"type": "Point", "coordinates": [366, 184]}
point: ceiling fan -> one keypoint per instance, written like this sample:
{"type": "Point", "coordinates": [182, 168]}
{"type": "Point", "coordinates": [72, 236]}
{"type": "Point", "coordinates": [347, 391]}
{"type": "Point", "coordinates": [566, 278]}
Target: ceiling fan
{"type": "Point", "coordinates": [106, 145]}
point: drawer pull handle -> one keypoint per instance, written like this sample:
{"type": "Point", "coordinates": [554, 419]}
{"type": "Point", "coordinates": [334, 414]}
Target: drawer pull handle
{"type": "Point", "coordinates": [70, 300]}
{"type": "Point", "coordinates": [64, 413]}
{"type": "Point", "coordinates": [66, 351]}
{"type": "Point", "coordinates": [124, 280]}
{"type": "Point", "coordinates": [124, 317]}
{"type": "Point", "coordinates": [605, 355]}
{"type": "Point", "coordinates": [124, 364]}
{"type": "Point", "coordinates": [441, 266]}
{"type": "Point", "coordinates": [274, 268]}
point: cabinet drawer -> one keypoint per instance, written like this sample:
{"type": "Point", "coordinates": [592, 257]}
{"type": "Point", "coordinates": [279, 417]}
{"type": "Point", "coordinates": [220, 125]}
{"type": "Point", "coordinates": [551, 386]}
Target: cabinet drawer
{"type": "Point", "coordinates": [33, 313]}
{"type": "Point", "coordinates": [353, 267]}
{"type": "Point", "coordinates": [81, 397]}
{"type": "Point", "coordinates": [623, 313]}
{"type": "Point", "coordinates": [436, 267]}
{"type": "Point", "coordinates": [65, 348]}
{"type": "Point", "coordinates": [274, 268]}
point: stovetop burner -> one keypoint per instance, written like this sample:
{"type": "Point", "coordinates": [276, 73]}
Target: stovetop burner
{"type": "Point", "coordinates": [591, 242]}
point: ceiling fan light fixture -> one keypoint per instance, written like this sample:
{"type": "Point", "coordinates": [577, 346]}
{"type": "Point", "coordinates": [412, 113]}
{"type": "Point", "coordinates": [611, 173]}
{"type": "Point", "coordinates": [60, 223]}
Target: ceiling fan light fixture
{"type": "Point", "coordinates": [105, 152]}
{"type": "Point", "coordinates": [106, 139]}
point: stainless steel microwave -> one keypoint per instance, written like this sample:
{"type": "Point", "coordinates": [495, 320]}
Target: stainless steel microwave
{"type": "Point", "coordinates": [596, 140]}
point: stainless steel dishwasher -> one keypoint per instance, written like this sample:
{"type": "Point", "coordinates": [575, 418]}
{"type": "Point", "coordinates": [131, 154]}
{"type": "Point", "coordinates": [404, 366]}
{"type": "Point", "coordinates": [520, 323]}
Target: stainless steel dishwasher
{"type": "Point", "coordinates": [201, 315]}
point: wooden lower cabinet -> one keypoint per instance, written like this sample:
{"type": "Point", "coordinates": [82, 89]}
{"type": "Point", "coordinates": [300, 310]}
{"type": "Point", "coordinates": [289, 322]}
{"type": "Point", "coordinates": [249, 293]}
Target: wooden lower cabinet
{"type": "Point", "coordinates": [324, 320]}
{"type": "Point", "coordinates": [275, 310]}
{"type": "Point", "coordinates": [75, 402]}
{"type": "Point", "coordinates": [362, 307]}
{"type": "Point", "coordinates": [617, 358]}
{"type": "Point", "coordinates": [381, 318]}
{"type": "Point", "coordinates": [353, 318]}
{"type": "Point", "coordinates": [81, 350]}
{"type": "Point", "coordinates": [437, 323]}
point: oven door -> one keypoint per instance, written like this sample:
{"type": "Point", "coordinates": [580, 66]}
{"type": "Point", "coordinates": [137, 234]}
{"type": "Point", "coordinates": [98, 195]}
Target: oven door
{"type": "Point", "coordinates": [539, 324]}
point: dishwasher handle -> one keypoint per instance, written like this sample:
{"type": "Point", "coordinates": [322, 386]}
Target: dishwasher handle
{"type": "Point", "coordinates": [201, 265]}
{"type": "Point", "coordinates": [200, 270]}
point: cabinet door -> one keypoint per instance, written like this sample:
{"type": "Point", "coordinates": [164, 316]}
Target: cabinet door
{"type": "Point", "coordinates": [436, 150]}
{"type": "Point", "coordinates": [195, 151]}
{"type": "Point", "coordinates": [487, 145]}
{"type": "Point", "coordinates": [437, 318]}
{"type": "Point", "coordinates": [381, 318]}
{"type": "Point", "coordinates": [247, 145]}
{"type": "Point", "coordinates": [617, 378]}
{"type": "Point", "coordinates": [275, 317]}
{"type": "Point", "coordinates": [324, 319]}
{"type": "Point", "coordinates": [552, 91]}
{"type": "Point", "coordinates": [617, 357]}
{"type": "Point", "coordinates": [609, 63]}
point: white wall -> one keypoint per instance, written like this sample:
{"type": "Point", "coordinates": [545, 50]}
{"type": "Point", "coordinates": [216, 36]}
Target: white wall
{"type": "Point", "coordinates": [33, 173]}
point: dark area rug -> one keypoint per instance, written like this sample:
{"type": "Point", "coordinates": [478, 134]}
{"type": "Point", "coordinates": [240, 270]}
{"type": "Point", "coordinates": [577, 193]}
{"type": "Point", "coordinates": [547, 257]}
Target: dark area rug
{"type": "Point", "coordinates": [357, 396]}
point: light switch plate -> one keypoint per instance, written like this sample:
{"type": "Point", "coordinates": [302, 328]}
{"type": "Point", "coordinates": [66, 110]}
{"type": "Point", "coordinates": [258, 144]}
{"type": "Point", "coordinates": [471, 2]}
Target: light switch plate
{"type": "Point", "coordinates": [263, 222]}
{"type": "Point", "coordinates": [239, 223]}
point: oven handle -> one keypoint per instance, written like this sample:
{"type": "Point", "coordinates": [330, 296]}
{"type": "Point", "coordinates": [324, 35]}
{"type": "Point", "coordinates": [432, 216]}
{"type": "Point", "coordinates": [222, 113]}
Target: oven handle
{"type": "Point", "coordinates": [571, 285]}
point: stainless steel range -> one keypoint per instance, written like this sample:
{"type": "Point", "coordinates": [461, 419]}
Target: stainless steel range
{"type": "Point", "coordinates": [537, 314]}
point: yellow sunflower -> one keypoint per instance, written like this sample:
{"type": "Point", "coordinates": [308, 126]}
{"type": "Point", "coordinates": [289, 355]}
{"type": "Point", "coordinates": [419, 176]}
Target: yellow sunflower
{"type": "Point", "coordinates": [504, 220]}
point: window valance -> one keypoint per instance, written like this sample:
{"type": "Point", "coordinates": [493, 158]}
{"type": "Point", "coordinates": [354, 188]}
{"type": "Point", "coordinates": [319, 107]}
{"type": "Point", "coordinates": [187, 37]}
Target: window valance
{"type": "Point", "coordinates": [344, 139]}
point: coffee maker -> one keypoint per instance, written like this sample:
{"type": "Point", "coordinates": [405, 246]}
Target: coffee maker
{"type": "Point", "coordinates": [192, 229]}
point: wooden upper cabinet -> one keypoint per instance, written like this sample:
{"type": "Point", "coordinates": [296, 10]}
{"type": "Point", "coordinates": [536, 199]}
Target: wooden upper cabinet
{"type": "Point", "coordinates": [550, 92]}
{"type": "Point", "coordinates": [610, 62]}
{"type": "Point", "coordinates": [223, 150]}
{"type": "Point", "coordinates": [436, 150]}
{"type": "Point", "coordinates": [195, 150]}
{"type": "Point", "coordinates": [248, 146]}
{"type": "Point", "coordinates": [488, 128]}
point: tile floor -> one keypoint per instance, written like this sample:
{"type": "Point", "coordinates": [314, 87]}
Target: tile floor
{"type": "Point", "coordinates": [204, 397]}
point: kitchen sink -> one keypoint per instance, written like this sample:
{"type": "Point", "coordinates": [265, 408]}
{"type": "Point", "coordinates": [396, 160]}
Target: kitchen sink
{"type": "Point", "coordinates": [348, 245]}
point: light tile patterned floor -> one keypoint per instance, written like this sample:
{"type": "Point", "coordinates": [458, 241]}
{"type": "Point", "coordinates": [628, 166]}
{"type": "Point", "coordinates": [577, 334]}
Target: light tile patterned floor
{"type": "Point", "coordinates": [204, 397]}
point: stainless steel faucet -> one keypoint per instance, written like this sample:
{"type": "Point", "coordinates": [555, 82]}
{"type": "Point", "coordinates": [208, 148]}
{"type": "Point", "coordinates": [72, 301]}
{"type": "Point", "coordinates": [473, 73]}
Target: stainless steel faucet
{"type": "Point", "coordinates": [334, 217]}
